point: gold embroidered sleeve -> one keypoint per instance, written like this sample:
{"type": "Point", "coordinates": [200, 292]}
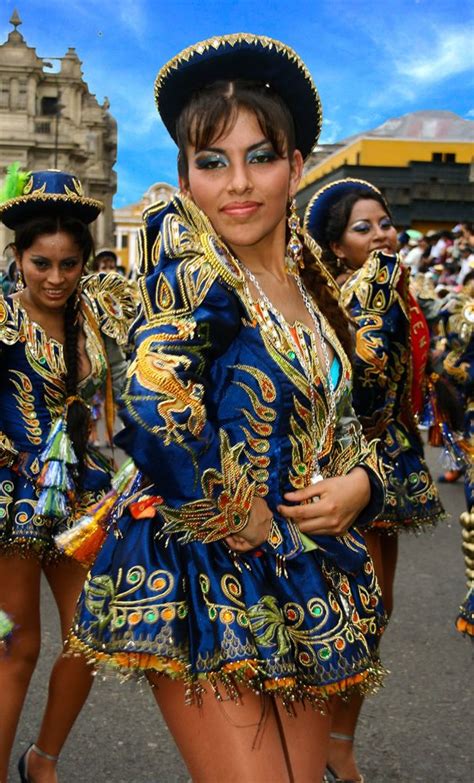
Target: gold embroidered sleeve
{"type": "Point", "coordinates": [8, 453]}
{"type": "Point", "coordinates": [374, 285]}
{"type": "Point", "coordinates": [351, 450]}
{"type": "Point", "coordinates": [115, 303]}
{"type": "Point", "coordinates": [190, 316]}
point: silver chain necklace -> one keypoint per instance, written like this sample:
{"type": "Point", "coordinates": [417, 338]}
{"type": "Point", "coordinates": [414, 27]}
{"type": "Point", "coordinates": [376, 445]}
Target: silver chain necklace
{"type": "Point", "coordinates": [316, 474]}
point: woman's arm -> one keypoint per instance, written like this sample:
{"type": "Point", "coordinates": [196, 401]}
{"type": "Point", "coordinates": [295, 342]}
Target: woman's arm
{"type": "Point", "coordinates": [354, 492]}
{"type": "Point", "coordinates": [190, 316]}
{"type": "Point", "coordinates": [380, 317]}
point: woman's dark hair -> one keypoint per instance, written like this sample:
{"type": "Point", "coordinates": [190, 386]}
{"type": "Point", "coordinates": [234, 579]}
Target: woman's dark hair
{"type": "Point", "coordinates": [211, 112]}
{"type": "Point", "coordinates": [78, 417]}
{"type": "Point", "coordinates": [337, 220]}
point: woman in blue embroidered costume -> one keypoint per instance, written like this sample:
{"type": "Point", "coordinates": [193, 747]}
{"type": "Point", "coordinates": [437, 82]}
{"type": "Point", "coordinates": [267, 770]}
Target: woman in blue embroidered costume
{"type": "Point", "coordinates": [237, 413]}
{"type": "Point", "coordinates": [351, 222]}
{"type": "Point", "coordinates": [457, 318]}
{"type": "Point", "coordinates": [59, 342]}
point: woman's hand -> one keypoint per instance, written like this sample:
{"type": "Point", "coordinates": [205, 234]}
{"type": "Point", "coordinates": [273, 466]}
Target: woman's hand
{"type": "Point", "coordinates": [255, 531]}
{"type": "Point", "coordinates": [337, 502]}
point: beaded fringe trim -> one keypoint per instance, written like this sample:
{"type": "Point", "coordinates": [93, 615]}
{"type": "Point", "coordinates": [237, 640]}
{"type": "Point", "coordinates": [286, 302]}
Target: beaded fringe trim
{"type": "Point", "coordinates": [28, 547]}
{"type": "Point", "coordinates": [411, 525]}
{"type": "Point", "coordinates": [226, 681]}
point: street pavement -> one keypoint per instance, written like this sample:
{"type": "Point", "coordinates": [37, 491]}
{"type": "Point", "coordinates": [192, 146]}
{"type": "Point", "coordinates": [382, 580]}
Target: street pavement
{"type": "Point", "coordinates": [417, 729]}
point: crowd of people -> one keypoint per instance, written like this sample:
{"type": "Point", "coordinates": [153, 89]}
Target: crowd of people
{"type": "Point", "coordinates": [271, 382]}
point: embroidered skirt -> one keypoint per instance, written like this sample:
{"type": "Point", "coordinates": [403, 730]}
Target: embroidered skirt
{"type": "Point", "coordinates": [195, 610]}
{"type": "Point", "coordinates": [21, 529]}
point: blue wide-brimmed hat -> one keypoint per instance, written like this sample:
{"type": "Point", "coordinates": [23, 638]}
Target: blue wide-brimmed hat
{"type": "Point", "coordinates": [317, 211]}
{"type": "Point", "coordinates": [242, 56]}
{"type": "Point", "coordinates": [49, 191]}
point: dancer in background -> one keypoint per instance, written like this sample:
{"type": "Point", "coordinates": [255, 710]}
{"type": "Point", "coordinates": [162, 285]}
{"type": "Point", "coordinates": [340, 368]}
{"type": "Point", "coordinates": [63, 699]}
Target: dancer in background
{"type": "Point", "coordinates": [60, 337]}
{"type": "Point", "coordinates": [457, 318]}
{"type": "Point", "coordinates": [225, 579]}
{"type": "Point", "coordinates": [351, 222]}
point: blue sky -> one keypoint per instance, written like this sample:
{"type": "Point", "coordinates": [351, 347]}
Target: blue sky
{"type": "Point", "coordinates": [370, 60]}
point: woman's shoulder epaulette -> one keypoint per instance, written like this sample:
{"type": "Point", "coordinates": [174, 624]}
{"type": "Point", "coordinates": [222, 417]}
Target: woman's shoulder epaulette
{"type": "Point", "coordinates": [178, 231]}
{"type": "Point", "coordinates": [9, 321]}
{"type": "Point", "coordinates": [114, 301]}
{"type": "Point", "coordinates": [376, 285]}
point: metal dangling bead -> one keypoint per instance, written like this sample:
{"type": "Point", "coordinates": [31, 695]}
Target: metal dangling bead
{"type": "Point", "coordinates": [77, 301]}
{"type": "Point", "coordinates": [294, 250]}
{"type": "Point", "coordinates": [20, 283]}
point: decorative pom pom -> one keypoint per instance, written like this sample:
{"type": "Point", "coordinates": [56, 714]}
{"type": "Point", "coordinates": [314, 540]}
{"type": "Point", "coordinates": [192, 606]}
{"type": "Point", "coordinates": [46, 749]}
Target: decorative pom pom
{"type": "Point", "coordinates": [14, 182]}
{"type": "Point", "coordinates": [56, 480]}
{"type": "Point", "coordinates": [83, 541]}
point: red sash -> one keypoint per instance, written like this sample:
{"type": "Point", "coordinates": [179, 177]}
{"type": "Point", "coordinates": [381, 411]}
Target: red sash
{"type": "Point", "coordinates": [420, 346]}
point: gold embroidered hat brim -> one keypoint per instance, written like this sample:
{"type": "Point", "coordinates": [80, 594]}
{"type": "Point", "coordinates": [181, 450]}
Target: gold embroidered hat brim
{"type": "Point", "coordinates": [242, 56]}
{"type": "Point", "coordinates": [316, 213]}
{"type": "Point", "coordinates": [22, 208]}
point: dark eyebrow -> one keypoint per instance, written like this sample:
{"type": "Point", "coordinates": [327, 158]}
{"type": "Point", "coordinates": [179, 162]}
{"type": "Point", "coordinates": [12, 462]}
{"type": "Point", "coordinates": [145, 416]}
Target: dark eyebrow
{"type": "Point", "coordinates": [221, 151]}
{"type": "Point", "coordinates": [44, 258]}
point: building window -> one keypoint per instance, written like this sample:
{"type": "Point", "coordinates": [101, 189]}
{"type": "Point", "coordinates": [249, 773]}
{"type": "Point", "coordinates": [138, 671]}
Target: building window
{"type": "Point", "coordinates": [124, 241]}
{"type": "Point", "coordinates": [22, 93]}
{"type": "Point", "coordinates": [443, 157]}
{"type": "Point", "coordinates": [43, 127]}
{"type": "Point", "coordinates": [4, 95]}
{"type": "Point", "coordinates": [49, 106]}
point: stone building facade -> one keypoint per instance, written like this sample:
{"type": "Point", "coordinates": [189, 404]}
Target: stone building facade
{"type": "Point", "coordinates": [128, 221]}
{"type": "Point", "coordinates": [52, 120]}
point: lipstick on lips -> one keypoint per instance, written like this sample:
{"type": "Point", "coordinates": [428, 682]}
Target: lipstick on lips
{"type": "Point", "coordinates": [240, 209]}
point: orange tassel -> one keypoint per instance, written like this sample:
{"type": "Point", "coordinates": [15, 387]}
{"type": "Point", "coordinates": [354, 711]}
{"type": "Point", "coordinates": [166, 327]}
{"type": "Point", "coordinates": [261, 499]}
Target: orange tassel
{"type": "Point", "coordinates": [434, 435]}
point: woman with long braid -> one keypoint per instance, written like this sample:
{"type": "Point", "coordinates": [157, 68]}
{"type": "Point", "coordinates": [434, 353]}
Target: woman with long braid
{"type": "Point", "coordinates": [59, 340]}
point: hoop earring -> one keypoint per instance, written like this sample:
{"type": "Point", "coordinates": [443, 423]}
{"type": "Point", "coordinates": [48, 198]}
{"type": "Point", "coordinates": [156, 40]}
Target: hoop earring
{"type": "Point", "coordinates": [294, 250]}
{"type": "Point", "coordinates": [20, 283]}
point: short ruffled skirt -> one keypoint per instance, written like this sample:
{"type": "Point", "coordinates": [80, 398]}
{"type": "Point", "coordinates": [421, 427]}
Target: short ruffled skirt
{"type": "Point", "coordinates": [465, 618]}
{"type": "Point", "coordinates": [412, 501]}
{"type": "Point", "coordinates": [21, 529]}
{"type": "Point", "coordinates": [197, 611]}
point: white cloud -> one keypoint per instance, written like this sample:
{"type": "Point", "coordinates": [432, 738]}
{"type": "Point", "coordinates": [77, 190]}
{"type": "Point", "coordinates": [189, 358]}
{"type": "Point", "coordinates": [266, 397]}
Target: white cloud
{"type": "Point", "coordinates": [331, 131]}
{"type": "Point", "coordinates": [132, 14]}
{"type": "Point", "coordinates": [449, 55]}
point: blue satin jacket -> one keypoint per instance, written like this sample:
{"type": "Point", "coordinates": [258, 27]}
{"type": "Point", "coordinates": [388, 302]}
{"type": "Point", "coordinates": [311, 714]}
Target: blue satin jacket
{"type": "Point", "coordinates": [386, 318]}
{"type": "Point", "coordinates": [32, 397]}
{"type": "Point", "coordinates": [216, 405]}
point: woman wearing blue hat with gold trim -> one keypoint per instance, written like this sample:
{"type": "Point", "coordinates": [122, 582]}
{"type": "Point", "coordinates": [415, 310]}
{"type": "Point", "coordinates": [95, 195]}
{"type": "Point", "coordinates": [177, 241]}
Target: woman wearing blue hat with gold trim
{"type": "Point", "coordinates": [60, 337]}
{"type": "Point", "coordinates": [223, 577]}
{"type": "Point", "coordinates": [351, 222]}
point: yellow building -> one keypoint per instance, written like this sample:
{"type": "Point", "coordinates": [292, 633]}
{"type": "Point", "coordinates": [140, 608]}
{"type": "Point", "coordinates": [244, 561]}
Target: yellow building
{"type": "Point", "coordinates": [128, 221]}
{"type": "Point", "coordinates": [422, 162]}
{"type": "Point", "coordinates": [366, 151]}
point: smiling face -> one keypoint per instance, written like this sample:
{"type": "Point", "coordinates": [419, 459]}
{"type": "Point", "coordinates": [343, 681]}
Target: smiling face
{"type": "Point", "coordinates": [369, 228]}
{"type": "Point", "coordinates": [243, 185]}
{"type": "Point", "coordinates": [51, 268]}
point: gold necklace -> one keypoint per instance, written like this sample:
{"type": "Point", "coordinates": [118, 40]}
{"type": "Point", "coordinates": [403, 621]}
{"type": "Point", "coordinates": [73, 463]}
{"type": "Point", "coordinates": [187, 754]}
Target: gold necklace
{"type": "Point", "coordinates": [316, 473]}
